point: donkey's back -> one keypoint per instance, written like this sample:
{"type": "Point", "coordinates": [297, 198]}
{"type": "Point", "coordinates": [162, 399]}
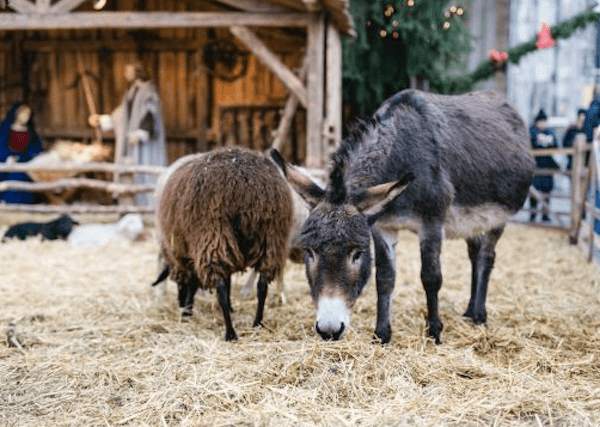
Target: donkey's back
{"type": "Point", "coordinates": [472, 152]}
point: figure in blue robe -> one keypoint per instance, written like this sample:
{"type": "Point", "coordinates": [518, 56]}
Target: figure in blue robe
{"type": "Point", "coordinates": [22, 143]}
{"type": "Point", "coordinates": [542, 137]}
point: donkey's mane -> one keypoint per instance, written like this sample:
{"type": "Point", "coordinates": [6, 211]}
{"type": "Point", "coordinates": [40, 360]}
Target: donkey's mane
{"type": "Point", "coordinates": [340, 159]}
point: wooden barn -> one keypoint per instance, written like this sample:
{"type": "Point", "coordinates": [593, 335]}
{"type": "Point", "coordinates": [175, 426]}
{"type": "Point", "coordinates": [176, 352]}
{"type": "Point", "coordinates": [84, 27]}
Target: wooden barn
{"type": "Point", "coordinates": [229, 72]}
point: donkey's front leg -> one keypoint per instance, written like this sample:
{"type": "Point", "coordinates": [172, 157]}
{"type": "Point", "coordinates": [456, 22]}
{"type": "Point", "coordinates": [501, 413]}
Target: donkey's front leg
{"type": "Point", "coordinates": [431, 275]}
{"type": "Point", "coordinates": [385, 276]}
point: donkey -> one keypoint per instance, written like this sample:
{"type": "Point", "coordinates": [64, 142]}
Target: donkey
{"type": "Point", "coordinates": [441, 165]}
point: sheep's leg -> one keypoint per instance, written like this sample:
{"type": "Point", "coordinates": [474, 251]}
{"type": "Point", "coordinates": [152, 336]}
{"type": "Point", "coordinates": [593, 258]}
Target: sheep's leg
{"type": "Point", "coordinates": [281, 288]}
{"type": "Point", "coordinates": [223, 295]}
{"type": "Point", "coordinates": [261, 293]}
{"type": "Point", "coordinates": [228, 283]}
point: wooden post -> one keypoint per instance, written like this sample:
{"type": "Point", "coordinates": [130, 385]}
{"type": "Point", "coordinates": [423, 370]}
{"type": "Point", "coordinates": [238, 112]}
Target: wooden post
{"type": "Point", "coordinates": [576, 184]}
{"type": "Point", "coordinates": [314, 115]}
{"type": "Point", "coordinates": [592, 205]}
{"type": "Point", "coordinates": [333, 128]}
{"type": "Point", "coordinates": [202, 99]}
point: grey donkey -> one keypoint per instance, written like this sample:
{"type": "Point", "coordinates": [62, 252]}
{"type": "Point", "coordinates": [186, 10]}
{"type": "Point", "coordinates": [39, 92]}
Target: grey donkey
{"type": "Point", "coordinates": [455, 166]}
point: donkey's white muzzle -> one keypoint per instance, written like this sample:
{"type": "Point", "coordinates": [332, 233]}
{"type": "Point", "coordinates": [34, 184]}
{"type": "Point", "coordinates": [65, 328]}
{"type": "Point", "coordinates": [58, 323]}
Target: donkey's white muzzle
{"type": "Point", "coordinates": [333, 317]}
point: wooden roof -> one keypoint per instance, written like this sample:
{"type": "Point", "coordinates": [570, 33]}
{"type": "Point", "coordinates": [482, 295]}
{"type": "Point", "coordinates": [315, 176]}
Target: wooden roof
{"type": "Point", "coordinates": [339, 9]}
{"type": "Point", "coordinates": [45, 14]}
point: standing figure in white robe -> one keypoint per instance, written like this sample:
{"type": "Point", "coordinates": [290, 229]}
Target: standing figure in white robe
{"type": "Point", "coordinates": [138, 127]}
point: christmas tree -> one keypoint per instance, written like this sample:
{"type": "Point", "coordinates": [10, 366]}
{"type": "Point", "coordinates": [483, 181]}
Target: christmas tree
{"type": "Point", "coordinates": [425, 39]}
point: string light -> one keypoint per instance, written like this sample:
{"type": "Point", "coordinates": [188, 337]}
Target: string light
{"type": "Point", "coordinates": [382, 32]}
{"type": "Point", "coordinates": [395, 23]}
{"type": "Point", "coordinates": [410, 3]}
{"type": "Point", "coordinates": [446, 25]}
{"type": "Point", "coordinates": [453, 9]}
{"type": "Point", "coordinates": [460, 11]}
{"type": "Point", "coordinates": [447, 14]}
{"type": "Point", "coordinates": [389, 10]}
{"type": "Point", "coordinates": [395, 34]}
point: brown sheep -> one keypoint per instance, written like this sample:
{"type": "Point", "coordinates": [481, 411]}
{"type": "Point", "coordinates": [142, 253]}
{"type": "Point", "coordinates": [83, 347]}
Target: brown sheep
{"type": "Point", "coordinates": [218, 214]}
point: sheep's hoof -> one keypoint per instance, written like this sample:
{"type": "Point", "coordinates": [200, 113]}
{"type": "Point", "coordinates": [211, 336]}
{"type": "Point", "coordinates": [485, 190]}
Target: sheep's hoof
{"type": "Point", "coordinates": [257, 324]}
{"type": "Point", "coordinates": [230, 335]}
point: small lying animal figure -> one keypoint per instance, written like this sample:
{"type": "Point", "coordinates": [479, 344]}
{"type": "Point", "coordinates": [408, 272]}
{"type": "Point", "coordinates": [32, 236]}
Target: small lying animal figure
{"type": "Point", "coordinates": [129, 228]}
{"type": "Point", "coordinates": [59, 228]}
{"type": "Point", "coordinates": [219, 213]}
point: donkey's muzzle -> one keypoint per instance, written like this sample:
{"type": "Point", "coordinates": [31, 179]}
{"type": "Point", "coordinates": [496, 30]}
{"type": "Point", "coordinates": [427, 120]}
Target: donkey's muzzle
{"type": "Point", "coordinates": [330, 334]}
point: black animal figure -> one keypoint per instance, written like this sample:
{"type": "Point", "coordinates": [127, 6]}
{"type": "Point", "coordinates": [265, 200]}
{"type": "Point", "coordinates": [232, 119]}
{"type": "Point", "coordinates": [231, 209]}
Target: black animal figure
{"type": "Point", "coordinates": [59, 228]}
{"type": "Point", "coordinates": [455, 166]}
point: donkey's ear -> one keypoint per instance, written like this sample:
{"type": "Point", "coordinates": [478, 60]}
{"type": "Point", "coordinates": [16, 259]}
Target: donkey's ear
{"type": "Point", "coordinates": [374, 199]}
{"type": "Point", "coordinates": [305, 186]}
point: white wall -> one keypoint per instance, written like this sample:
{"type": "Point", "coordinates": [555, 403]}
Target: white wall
{"type": "Point", "coordinates": [553, 78]}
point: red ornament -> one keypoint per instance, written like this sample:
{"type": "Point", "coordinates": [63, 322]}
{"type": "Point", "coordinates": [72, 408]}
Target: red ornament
{"type": "Point", "coordinates": [544, 37]}
{"type": "Point", "coordinates": [498, 59]}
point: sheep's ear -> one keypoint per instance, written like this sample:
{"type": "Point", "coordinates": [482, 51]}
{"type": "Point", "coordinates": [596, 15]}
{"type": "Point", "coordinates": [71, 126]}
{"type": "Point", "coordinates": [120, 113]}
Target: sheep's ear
{"type": "Point", "coordinates": [374, 199]}
{"type": "Point", "coordinates": [305, 186]}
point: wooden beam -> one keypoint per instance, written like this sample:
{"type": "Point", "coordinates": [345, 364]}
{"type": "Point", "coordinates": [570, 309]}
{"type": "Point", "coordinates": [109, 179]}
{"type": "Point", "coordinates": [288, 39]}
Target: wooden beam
{"type": "Point", "coordinates": [42, 6]}
{"type": "Point", "coordinates": [94, 20]}
{"type": "Point", "coordinates": [312, 5]}
{"type": "Point", "coordinates": [63, 184]}
{"type": "Point", "coordinates": [254, 6]}
{"type": "Point", "coordinates": [275, 39]}
{"type": "Point", "coordinates": [333, 114]}
{"type": "Point", "coordinates": [22, 6]}
{"type": "Point", "coordinates": [80, 132]}
{"type": "Point", "coordinates": [290, 4]}
{"type": "Point", "coordinates": [291, 105]}
{"type": "Point", "coordinates": [64, 6]}
{"type": "Point", "coordinates": [81, 167]}
{"type": "Point", "coordinates": [258, 48]}
{"type": "Point", "coordinates": [576, 187]}
{"type": "Point", "coordinates": [314, 80]}
{"type": "Point", "coordinates": [75, 209]}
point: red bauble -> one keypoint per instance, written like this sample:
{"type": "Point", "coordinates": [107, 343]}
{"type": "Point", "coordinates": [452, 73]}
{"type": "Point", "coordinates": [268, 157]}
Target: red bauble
{"type": "Point", "coordinates": [544, 38]}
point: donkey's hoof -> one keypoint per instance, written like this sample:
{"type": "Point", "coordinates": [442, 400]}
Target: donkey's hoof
{"type": "Point", "coordinates": [434, 330]}
{"type": "Point", "coordinates": [383, 334]}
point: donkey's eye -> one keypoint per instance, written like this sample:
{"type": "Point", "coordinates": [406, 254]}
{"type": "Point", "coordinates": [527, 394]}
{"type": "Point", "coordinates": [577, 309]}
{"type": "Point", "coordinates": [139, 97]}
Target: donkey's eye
{"type": "Point", "coordinates": [356, 255]}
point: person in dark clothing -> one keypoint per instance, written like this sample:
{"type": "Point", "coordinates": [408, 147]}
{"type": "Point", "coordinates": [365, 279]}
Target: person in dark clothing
{"type": "Point", "coordinates": [542, 137]}
{"type": "Point", "coordinates": [572, 131]}
{"type": "Point", "coordinates": [19, 142]}
{"type": "Point", "coordinates": [592, 118]}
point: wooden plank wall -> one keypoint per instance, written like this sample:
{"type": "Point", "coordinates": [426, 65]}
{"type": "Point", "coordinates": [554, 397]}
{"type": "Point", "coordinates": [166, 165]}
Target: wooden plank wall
{"type": "Point", "coordinates": [191, 99]}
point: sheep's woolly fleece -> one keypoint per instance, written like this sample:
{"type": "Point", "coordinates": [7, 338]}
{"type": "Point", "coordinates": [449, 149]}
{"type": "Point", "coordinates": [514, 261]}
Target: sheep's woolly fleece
{"type": "Point", "coordinates": [95, 347]}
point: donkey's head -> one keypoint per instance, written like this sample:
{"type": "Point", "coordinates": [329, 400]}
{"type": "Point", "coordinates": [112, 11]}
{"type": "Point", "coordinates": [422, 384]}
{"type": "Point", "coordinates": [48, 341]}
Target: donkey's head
{"type": "Point", "coordinates": [337, 241]}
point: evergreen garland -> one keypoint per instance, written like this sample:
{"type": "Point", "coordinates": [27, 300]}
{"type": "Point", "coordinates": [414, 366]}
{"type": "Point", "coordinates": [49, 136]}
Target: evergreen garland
{"type": "Point", "coordinates": [486, 68]}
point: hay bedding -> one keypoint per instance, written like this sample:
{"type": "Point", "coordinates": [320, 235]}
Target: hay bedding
{"type": "Point", "coordinates": [98, 349]}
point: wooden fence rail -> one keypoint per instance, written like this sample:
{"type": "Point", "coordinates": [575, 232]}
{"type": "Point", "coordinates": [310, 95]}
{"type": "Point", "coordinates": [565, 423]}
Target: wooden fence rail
{"type": "Point", "coordinates": [81, 167]}
{"type": "Point", "coordinates": [69, 184]}
{"type": "Point", "coordinates": [586, 212]}
{"type": "Point", "coordinates": [578, 169]}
